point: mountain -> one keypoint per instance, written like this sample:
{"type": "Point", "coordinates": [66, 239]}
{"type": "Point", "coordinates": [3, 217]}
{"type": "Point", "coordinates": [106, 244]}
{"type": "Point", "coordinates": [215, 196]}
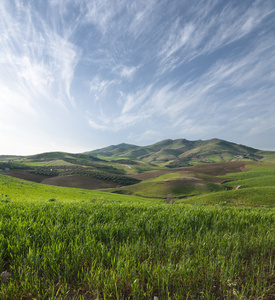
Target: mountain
{"type": "Point", "coordinates": [181, 152]}
{"type": "Point", "coordinates": [167, 153]}
{"type": "Point", "coordinates": [114, 150]}
{"type": "Point", "coordinates": [151, 171]}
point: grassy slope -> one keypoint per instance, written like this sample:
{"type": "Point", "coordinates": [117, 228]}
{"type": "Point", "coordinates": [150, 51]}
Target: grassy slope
{"type": "Point", "coordinates": [178, 184]}
{"type": "Point", "coordinates": [192, 152]}
{"type": "Point", "coordinates": [64, 243]}
{"type": "Point", "coordinates": [13, 189]}
{"type": "Point", "coordinates": [260, 196]}
{"type": "Point", "coordinates": [89, 245]}
{"type": "Point", "coordinates": [255, 187]}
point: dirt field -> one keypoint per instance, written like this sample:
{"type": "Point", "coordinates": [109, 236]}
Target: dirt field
{"type": "Point", "coordinates": [78, 181]}
{"type": "Point", "coordinates": [217, 169]}
{"type": "Point", "coordinates": [24, 174]}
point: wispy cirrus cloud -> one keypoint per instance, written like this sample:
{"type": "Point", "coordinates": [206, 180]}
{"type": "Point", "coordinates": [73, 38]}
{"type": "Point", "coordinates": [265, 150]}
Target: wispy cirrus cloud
{"type": "Point", "coordinates": [33, 55]}
{"type": "Point", "coordinates": [205, 103]}
{"type": "Point", "coordinates": [137, 67]}
{"type": "Point", "coordinates": [207, 29]}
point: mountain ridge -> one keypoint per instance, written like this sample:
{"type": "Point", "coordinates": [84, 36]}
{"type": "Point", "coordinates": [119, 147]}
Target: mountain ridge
{"type": "Point", "coordinates": [166, 153]}
{"type": "Point", "coordinates": [181, 151]}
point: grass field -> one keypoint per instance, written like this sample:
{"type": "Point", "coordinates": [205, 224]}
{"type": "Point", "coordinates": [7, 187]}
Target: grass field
{"type": "Point", "coordinates": [64, 243]}
{"type": "Point", "coordinates": [255, 186]}
{"type": "Point", "coordinates": [18, 190]}
{"type": "Point", "coordinates": [181, 182]}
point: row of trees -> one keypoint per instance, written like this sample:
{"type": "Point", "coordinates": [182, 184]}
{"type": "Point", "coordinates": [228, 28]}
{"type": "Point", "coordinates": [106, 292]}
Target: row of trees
{"type": "Point", "coordinates": [49, 171]}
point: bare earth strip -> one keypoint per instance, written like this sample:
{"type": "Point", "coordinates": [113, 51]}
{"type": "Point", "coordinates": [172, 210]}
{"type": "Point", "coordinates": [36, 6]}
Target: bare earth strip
{"type": "Point", "coordinates": [78, 181]}
{"type": "Point", "coordinates": [216, 169]}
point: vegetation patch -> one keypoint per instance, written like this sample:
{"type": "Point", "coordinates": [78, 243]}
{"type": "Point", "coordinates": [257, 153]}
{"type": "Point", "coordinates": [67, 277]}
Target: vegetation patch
{"type": "Point", "coordinates": [258, 196]}
{"type": "Point", "coordinates": [113, 250]}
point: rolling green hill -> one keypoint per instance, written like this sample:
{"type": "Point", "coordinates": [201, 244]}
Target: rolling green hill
{"type": "Point", "coordinates": [64, 243]}
{"type": "Point", "coordinates": [167, 153]}
{"type": "Point", "coordinates": [181, 152]}
{"type": "Point", "coordinates": [254, 187]}
{"type": "Point", "coordinates": [144, 171]}
{"type": "Point", "coordinates": [215, 242]}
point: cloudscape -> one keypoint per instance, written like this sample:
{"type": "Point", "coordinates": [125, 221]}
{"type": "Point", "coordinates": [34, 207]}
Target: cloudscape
{"type": "Point", "coordinates": [76, 75]}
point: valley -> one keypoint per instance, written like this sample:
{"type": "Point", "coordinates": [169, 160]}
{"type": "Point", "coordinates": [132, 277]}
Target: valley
{"type": "Point", "coordinates": [112, 224]}
{"type": "Point", "coordinates": [176, 169]}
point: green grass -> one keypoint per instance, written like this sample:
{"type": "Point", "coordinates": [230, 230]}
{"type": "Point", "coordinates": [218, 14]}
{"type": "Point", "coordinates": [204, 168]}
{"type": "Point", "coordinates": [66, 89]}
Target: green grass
{"type": "Point", "coordinates": [250, 174]}
{"type": "Point", "coordinates": [160, 189]}
{"type": "Point", "coordinates": [268, 156]}
{"type": "Point", "coordinates": [86, 250]}
{"type": "Point", "coordinates": [164, 177]}
{"type": "Point", "coordinates": [26, 191]}
{"type": "Point", "coordinates": [65, 243]}
{"type": "Point", "coordinates": [261, 196]}
{"type": "Point", "coordinates": [260, 167]}
{"type": "Point", "coordinates": [253, 182]}
{"type": "Point", "coordinates": [57, 162]}
{"type": "Point", "coordinates": [257, 176]}
{"type": "Point", "coordinates": [255, 187]}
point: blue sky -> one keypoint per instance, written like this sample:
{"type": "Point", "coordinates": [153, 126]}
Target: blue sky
{"type": "Point", "coordinates": [76, 75]}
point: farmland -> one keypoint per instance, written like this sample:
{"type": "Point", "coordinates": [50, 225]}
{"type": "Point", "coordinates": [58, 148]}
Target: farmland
{"type": "Point", "coordinates": [125, 228]}
{"type": "Point", "coordinates": [64, 243]}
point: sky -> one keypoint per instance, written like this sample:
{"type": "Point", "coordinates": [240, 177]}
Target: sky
{"type": "Point", "coordinates": [78, 75]}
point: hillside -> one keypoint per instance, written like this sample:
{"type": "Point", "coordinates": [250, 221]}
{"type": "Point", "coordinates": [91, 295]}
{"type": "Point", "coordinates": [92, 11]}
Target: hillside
{"type": "Point", "coordinates": [181, 152]}
{"type": "Point", "coordinates": [65, 243]}
{"type": "Point", "coordinates": [170, 168]}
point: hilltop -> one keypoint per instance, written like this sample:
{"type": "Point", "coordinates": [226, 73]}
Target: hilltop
{"type": "Point", "coordinates": [170, 168]}
{"type": "Point", "coordinates": [182, 152]}
{"type": "Point", "coordinates": [168, 153]}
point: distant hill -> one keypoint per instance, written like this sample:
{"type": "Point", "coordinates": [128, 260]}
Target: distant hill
{"type": "Point", "coordinates": [182, 152]}
{"type": "Point", "coordinates": [170, 168]}
{"type": "Point", "coordinates": [114, 150]}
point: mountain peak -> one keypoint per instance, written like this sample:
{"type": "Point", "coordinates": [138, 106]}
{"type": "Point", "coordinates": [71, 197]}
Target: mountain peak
{"type": "Point", "coordinates": [181, 152]}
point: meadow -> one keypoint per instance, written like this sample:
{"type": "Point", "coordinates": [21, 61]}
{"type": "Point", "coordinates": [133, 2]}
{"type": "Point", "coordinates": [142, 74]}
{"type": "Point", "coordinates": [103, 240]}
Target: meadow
{"type": "Point", "coordinates": [254, 187]}
{"type": "Point", "coordinates": [64, 243]}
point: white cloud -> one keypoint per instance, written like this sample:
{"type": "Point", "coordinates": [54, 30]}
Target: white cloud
{"type": "Point", "coordinates": [209, 30]}
{"type": "Point", "coordinates": [127, 72]}
{"type": "Point", "coordinates": [41, 62]}
{"type": "Point", "coordinates": [178, 38]}
{"type": "Point", "coordinates": [99, 87]}
{"type": "Point", "coordinates": [120, 65]}
{"type": "Point", "coordinates": [206, 104]}
{"type": "Point", "coordinates": [96, 125]}
{"type": "Point", "coordinates": [149, 135]}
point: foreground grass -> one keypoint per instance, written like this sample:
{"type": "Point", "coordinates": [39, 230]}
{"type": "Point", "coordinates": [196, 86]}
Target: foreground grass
{"type": "Point", "coordinates": [91, 250]}
{"type": "Point", "coordinates": [65, 243]}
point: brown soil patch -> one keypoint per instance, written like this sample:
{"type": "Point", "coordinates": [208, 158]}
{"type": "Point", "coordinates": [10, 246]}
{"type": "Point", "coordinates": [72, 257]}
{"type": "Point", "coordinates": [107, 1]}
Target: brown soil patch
{"type": "Point", "coordinates": [78, 181]}
{"type": "Point", "coordinates": [219, 169]}
{"type": "Point", "coordinates": [215, 169]}
{"type": "Point", "coordinates": [24, 174]}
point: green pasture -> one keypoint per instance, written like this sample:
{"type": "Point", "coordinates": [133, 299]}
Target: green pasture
{"type": "Point", "coordinates": [15, 189]}
{"type": "Point", "coordinates": [98, 250]}
{"type": "Point", "coordinates": [160, 189]}
{"type": "Point", "coordinates": [164, 177]}
{"type": "Point", "coordinates": [268, 156]}
{"type": "Point", "coordinates": [256, 176]}
{"type": "Point", "coordinates": [257, 196]}
{"type": "Point", "coordinates": [255, 187]}
{"type": "Point", "coordinates": [261, 181]}
{"type": "Point", "coordinates": [65, 243]}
